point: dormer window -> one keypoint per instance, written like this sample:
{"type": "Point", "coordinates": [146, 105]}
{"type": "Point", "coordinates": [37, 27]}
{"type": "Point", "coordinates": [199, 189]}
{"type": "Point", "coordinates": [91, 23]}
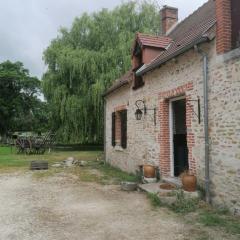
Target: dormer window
{"type": "Point", "coordinates": [137, 58]}
{"type": "Point", "coordinates": [145, 49]}
{"type": "Point", "coordinates": [137, 63]}
{"type": "Point", "coordinates": [138, 82]}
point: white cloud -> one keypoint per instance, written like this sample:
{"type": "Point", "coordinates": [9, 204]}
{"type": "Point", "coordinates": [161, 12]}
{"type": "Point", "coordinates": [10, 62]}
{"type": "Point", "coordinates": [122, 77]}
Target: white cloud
{"type": "Point", "coordinates": [28, 26]}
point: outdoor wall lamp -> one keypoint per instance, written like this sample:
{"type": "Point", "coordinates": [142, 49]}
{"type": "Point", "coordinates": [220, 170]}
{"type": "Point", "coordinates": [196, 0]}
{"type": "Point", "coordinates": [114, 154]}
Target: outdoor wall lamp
{"type": "Point", "coordinates": [142, 109]}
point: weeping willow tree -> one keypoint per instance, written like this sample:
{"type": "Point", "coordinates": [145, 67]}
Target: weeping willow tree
{"type": "Point", "coordinates": [84, 60]}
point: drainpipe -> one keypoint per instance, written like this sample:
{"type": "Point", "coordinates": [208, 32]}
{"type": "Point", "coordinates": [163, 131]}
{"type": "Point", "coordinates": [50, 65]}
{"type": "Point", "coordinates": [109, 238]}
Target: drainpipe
{"type": "Point", "coordinates": [206, 133]}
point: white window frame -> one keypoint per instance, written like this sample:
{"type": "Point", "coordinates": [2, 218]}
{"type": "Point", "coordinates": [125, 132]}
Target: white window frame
{"type": "Point", "coordinates": [171, 132]}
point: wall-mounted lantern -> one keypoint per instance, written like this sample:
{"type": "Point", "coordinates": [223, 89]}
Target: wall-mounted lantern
{"type": "Point", "coordinates": [142, 109]}
{"type": "Point", "coordinates": [138, 114]}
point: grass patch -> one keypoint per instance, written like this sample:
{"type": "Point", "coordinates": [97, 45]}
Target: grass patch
{"type": "Point", "coordinates": [104, 173]}
{"type": "Point", "coordinates": [155, 200]}
{"type": "Point", "coordinates": [94, 171]}
{"type": "Point", "coordinates": [114, 174]}
{"type": "Point", "coordinates": [85, 174]}
{"type": "Point", "coordinates": [10, 160]}
{"type": "Point", "coordinates": [214, 218]}
{"type": "Point", "coordinates": [184, 205]}
{"type": "Point", "coordinates": [181, 205]}
{"type": "Point", "coordinates": [193, 212]}
{"type": "Point", "coordinates": [38, 174]}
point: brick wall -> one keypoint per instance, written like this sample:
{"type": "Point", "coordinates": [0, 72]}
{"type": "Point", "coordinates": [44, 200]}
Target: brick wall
{"type": "Point", "coordinates": [169, 17]}
{"type": "Point", "coordinates": [164, 136]}
{"type": "Point", "coordinates": [224, 33]}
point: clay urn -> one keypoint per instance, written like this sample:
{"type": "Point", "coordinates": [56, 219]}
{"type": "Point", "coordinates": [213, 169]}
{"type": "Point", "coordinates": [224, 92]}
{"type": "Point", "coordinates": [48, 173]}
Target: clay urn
{"type": "Point", "coordinates": [149, 171]}
{"type": "Point", "coordinates": [189, 182]}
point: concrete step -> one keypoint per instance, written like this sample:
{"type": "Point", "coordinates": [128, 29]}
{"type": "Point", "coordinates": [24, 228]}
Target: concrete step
{"type": "Point", "coordinates": [155, 188]}
{"type": "Point", "coordinates": [150, 187]}
{"type": "Point", "coordinates": [167, 197]}
{"type": "Point", "coordinates": [173, 180]}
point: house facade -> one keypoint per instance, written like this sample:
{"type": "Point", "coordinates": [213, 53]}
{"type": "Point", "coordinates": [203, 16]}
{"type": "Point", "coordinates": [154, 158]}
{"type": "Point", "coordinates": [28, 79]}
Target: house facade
{"type": "Point", "coordinates": [184, 87]}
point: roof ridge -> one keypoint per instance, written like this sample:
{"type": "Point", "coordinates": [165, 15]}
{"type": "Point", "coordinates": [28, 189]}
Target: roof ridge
{"type": "Point", "coordinates": [189, 16]}
{"type": "Point", "coordinates": [155, 36]}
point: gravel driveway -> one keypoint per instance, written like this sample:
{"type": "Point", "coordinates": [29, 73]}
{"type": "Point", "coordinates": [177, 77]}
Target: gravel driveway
{"type": "Point", "coordinates": [60, 207]}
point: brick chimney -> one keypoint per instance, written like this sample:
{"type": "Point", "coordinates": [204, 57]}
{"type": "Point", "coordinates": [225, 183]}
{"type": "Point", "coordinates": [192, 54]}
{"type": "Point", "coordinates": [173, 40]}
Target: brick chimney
{"type": "Point", "coordinates": [224, 32]}
{"type": "Point", "coordinates": [169, 17]}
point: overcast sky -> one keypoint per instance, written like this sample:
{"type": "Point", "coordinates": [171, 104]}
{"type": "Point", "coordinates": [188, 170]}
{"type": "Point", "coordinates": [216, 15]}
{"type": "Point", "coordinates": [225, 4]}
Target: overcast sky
{"type": "Point", "coordinates": [28, 26]}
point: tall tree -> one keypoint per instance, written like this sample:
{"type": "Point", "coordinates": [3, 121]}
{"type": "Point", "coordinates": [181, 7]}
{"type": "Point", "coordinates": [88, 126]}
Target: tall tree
{"type": "Point", "coordinates": [20, 109]}
{"type": "Point", "coordinates": [84, 60]}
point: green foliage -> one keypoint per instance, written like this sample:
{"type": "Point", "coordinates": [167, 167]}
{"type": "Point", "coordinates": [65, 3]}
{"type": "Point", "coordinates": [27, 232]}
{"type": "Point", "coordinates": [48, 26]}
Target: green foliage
{"type": "Point", "coordinates": [181, 205]}
{"type": "Point", "coordinates": [184, 205]}
{"type": "Point", "coordinates": [113, 174]}
{"type": "Point", "coordinates": [116, 174]}
{"type": "Point", "coordinates": [210, 219]}
{"type": "Point", "coordinates": [84, 60]}
{"type": "Point", "coordinates": [220, 219]}
{"type": "Point", "coordinates": [216, 218]}
{"type": "Point", "coordinates": [20, 109]}
{"type": "Point", "coordinates": [93, 171]}
{"type": "Point", "coordinates": [155, 200]}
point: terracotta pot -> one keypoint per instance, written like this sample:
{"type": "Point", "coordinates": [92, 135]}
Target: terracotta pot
{"type": "Point", "coordinates": [149, 171]}
{"type": "Point", "coordinates": [189, 182]}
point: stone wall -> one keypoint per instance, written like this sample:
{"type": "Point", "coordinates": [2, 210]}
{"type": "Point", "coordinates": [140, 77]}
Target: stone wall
{"type": "Point", "coordinates": [224, 129]}
{"type": "Point", "coordinates": [144, 138]}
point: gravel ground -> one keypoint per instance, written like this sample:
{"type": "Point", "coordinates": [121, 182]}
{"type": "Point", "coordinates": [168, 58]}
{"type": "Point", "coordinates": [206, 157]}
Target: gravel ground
{"type": "Point", "coordinates": [60, 207]}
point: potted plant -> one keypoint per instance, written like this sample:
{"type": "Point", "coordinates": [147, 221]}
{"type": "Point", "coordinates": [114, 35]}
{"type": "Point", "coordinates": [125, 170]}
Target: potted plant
{"type": "Point", "coordinates": [189, 181]}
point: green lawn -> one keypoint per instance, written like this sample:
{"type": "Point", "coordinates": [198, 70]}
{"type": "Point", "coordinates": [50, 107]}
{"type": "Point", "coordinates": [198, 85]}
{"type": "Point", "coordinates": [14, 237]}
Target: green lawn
{"type": "Point", "coordinates": [10, 160]}
{"type": "Point", "coordinates": [93, 171]}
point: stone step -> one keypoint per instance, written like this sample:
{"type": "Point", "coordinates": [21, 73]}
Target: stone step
{"type": "Point", "coordinates": [166, 196]}
{"type": "Point", "coordinates": [173, 180]}
{"type": "Point", "coordinates": [155, 188]}
{"type": "Point", "coordinates": [150, 187]}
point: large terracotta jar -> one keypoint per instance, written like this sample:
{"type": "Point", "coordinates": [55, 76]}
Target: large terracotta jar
{"type": "Point", "coordinates": [149, 171]}
{"type": "Point", "coordinates": [189, 182]}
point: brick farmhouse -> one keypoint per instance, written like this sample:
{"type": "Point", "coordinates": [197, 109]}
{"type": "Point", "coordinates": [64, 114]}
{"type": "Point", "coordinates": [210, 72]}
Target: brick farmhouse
{"type": "Point", "coordinates": [184, 89]}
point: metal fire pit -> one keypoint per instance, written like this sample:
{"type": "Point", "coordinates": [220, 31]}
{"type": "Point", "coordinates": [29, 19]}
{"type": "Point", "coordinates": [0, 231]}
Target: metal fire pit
{"type": "Point", "coordinates": [39, 165]}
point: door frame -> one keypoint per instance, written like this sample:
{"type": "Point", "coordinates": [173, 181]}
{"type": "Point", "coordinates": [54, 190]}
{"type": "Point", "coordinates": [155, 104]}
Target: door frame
{"type": "Point", "coordinates": [171, 132]}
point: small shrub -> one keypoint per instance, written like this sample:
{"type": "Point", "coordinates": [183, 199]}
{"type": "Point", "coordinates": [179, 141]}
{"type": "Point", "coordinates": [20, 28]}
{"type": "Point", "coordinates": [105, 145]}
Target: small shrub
{"type": "Point", "coordinates": [184, 205]}
{"type": "Point", "coordinates": [202, 191]}
{"type": "Point", "coordinates": [155, 200]}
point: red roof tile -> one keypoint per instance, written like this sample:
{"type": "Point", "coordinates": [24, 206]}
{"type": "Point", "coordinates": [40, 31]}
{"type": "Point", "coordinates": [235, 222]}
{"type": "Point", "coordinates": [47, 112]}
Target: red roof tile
{"type": "Point", "coordinates": [193, 30]}
{"type": "Point", "coordinates": [123, 80]}
{"type": "Point", "coordinates": [153, 41]}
